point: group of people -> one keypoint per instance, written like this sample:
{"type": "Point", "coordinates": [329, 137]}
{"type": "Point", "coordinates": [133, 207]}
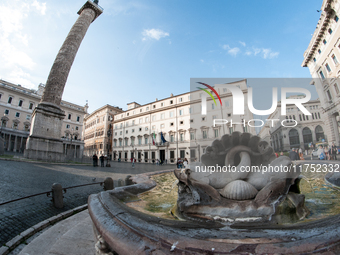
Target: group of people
{"type": "Point", "coordinates": [182, 163]}
{"type": "Point", "coordinates": [296, 154]}
{"type": "Point", "coordinates": [327, 152]}
{"type": "Point", "coordinates": [95, 160]}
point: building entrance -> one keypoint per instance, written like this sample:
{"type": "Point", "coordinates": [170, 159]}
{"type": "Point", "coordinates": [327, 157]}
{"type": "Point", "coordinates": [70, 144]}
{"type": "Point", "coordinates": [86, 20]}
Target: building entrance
{"type": "Point", "coordinates": [162, 155]}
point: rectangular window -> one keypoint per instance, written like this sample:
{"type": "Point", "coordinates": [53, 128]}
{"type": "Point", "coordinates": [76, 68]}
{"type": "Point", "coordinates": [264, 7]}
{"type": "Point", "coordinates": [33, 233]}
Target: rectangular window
{"type": "Point", "coordinates": [329, 95]}
{"type": "Point", "coordinates": [20, 103]}
{"type": "Point", "coordinates": [335, 60]}
{"type": "Point", "coordinates": [17, 114]}
{"type": "Point", "coordinates": [322, 75]}
{"type": "Point", "coordinates": [336, 88]}
{"type": "Point", "coordinates": [139, 140]}
{"type": "Point", "coordinates": [172, 138]}
{"type": "Point", "coordinates": [204, 134]}
{"type": "Point", "coordinates": [69, 116]}
{"type": "Point", "coordinates": [336, 18]}
{"type": "Point", "coordinates": [180, 99]}
{"type": "Point", "coordinates": [181, 112]}
{"type": "Point", "coordinates": [328, 68]}
{"type": "Point", "coordinates": [231, 130]}
{"type": "Point", "coordinates": [133, 130]}
{"type": "Point", "coordinates": [212, 106]}
{"type": "Point", "coordinates": [192, 153]}
{"type": "Point", "coordinates": [171, 114]}
{"type": "Point", "coordinates": [78, 118]}
{"type": "Point", "coordinates": [216, 133]}
{"type": "Point", "coordinates": [126, 142]}
{"type": "Point", "coordinates": [192, 136]}
{"type": "Point", "coordinates": [146, 140]}
{"type": "Point", "coordinates": [6, 111]}
{"type": "Point", "coordinates": [324, 41]}
{"type": "Point", "coordinates": [28, 117]}
{"type": "Point", "coordinates": [154, 106]}
{"type": "Point", "coordinates": [171, 102]}
{"type": "Point", "coordinates": [319, 51]}
{"type": "Point", "coordinates": [182, 153]}
{"type": "Point", "coordinates": [181, 137]}
{"type": "Point", "coordinates": [67, 126]}
{"type": "Point", "coordinates": [10, 100]}
{"type": "Point", "coordinates": [120, 143]}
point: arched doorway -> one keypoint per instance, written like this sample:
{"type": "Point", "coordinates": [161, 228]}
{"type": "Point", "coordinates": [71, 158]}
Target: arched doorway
{"type": "Point", "coordinates": [319, 134]}
{"type": "Point", "coordinates": [307, 136]}
{"type": "Point", "coordinates": [294, 139]}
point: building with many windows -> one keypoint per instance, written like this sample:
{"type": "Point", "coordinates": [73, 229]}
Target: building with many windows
{"type": "Point", "coordinates": [175, 127]}
{"type": "Point", "coordinates": [298, 130]}
{"type": "Point", "coordinates": [98, 130]}
{"type": "Point", "coordinates": [16, 107]}
{"type": "Point", "coordinates": [322, 58]}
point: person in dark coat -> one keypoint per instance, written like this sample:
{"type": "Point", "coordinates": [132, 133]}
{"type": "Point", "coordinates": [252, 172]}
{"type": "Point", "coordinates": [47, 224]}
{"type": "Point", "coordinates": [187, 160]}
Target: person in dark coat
{"type": "Point", "coordinates": [95, 159]}
{"type": "Point", "coordinates": [102, 158]}
{"type": "Point", "coordinates": [293, 155]}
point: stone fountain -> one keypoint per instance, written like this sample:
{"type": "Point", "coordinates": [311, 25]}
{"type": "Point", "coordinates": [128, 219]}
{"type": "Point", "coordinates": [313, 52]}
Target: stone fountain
{"type": "Point", "coordinates": [240, 179]}
{"type": "Point", "coordinates": [223, 208]}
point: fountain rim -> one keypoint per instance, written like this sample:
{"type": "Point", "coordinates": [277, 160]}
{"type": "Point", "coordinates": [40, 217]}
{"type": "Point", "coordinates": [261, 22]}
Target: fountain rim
{"type": "Point", "coordinates": [116, 222]}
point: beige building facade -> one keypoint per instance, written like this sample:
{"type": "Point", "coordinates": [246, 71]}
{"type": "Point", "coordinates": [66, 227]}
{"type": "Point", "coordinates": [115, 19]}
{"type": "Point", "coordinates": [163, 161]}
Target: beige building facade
{"type": "Point", "coordinates": [17, 104]}
{"type": "Point", "coordinates": [298, 130]}
{"type": "Point", "coordinates": [322, 57]}
{"type": "Point", "coordinates": [97, 131]}
{"type": "Point", "coordinates": [174, 127]}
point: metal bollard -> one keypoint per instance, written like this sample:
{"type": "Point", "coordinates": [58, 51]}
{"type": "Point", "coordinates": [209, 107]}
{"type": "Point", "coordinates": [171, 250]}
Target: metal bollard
{"type": "Point", "coordinates": [57, 195]}
{"type": "Point", "coordinates": [128, 181]}
{"type": "Point", "coordinates": [108, 183]}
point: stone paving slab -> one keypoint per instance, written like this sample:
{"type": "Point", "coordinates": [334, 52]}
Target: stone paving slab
{"type": "Point", "coordinates": [73, 235]}
{"type": "Point", "coordinates": [20, 179]}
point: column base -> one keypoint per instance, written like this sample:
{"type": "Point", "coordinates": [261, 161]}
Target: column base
{"type": "Point", "coordinates": [46, 149]}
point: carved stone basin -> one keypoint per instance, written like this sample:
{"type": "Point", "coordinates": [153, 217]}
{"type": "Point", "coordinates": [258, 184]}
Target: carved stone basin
{"type": "Point", "coordinates": [123, 230]}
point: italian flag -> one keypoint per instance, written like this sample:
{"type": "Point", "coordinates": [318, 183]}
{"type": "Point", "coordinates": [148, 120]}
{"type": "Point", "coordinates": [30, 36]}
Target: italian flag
{"type": "Point", "coordinates": [153, 138]}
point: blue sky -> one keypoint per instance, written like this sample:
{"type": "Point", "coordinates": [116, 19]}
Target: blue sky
{"type": "Point", "coordinates": [142, 50]}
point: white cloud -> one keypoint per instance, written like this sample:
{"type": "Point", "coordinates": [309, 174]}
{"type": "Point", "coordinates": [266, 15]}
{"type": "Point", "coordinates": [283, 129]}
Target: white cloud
{"type": "Point", "coordinates": [268, 54]}
{"type": "Point", "coordinates": [154, 34]}
{"type": "Point", "coordinates": [202, 61]}
{"type": "Point", "coordinates": [248, 53]}
{"type": "Point", "coordinates": [256, 51]}
{"type": "Point", "coordinates": [16, 64]}
{"type": "Point", "coordinates": [231, 51]}
{"type": "Point", "coordinates": [41, 7]}
{"type": "Point", "coordinates": [242, 43]}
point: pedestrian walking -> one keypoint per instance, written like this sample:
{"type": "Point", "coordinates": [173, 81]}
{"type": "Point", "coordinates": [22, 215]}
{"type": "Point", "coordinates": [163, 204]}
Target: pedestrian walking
{"type": "Point", "coordinates": [133, 162]}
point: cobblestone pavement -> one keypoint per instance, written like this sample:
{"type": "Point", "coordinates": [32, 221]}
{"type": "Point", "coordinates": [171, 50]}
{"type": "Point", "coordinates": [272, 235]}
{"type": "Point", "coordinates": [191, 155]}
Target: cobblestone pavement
{"type": "Point", "coordinates": [19, 179]}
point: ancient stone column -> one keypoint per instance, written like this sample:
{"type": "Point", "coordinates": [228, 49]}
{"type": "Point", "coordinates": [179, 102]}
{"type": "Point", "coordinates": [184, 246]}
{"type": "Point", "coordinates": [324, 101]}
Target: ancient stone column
{"type": "Point", "coordinates": [45, 141]}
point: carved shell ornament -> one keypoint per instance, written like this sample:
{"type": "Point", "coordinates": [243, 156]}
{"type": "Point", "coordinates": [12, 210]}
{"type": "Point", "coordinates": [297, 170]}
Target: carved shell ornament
{"type": "Point", "coordinates": [240, 151]}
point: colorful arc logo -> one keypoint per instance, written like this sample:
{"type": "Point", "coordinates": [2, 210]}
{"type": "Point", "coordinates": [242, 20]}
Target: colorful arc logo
{"type": "Point", "coordinates": [205, 90]}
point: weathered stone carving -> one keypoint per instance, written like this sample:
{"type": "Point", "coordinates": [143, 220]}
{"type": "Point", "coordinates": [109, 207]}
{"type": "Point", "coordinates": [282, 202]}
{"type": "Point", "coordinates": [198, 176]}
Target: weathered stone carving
{"type": "Point", "coordinates": [239, 178]}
